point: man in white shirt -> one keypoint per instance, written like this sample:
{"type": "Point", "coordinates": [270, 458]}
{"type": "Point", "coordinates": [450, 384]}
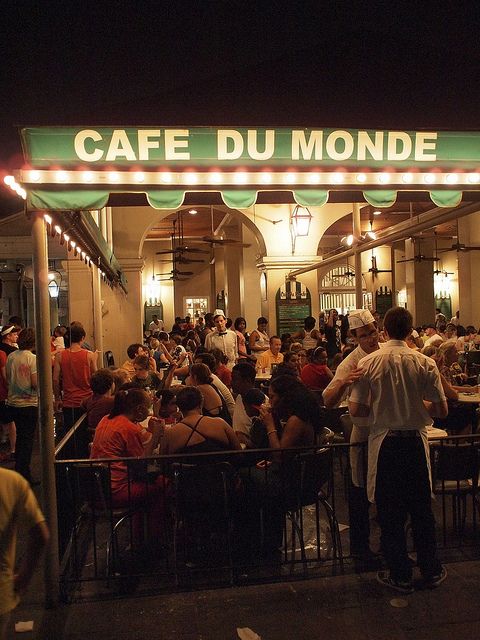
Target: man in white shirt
{"type": "Point", "coordinates": [156, 325]}
{"type": "Point", "coordinates": [433, 338]}
{"type": "Point", "coordinates": [400, 391]}
{"type": "Point", "coordinates": [223, 339]}
{"type": "Point", "coordinates": [364, 329]}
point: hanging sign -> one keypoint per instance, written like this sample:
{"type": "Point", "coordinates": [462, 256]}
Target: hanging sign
{"type": "Point", "coordinates": [249, 147]}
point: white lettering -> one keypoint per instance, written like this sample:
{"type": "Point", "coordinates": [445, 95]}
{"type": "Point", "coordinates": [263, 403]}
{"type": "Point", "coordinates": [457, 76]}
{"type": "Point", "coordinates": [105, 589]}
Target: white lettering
{"type": "Point", "coordinates": [223, 138]}
{"type": "Point", "coordinates": [172, 144]}
{"type": "Point", "coordinates": [393, 150]}
{"type": "Point", "coordinates": [347, 142]}
{"type": "Point", "coordinates": [120, 146]}
{"type": "Point", "coordinates": [145, 144]}
{"type": "Point", "coordinates": [79, 145]}
{"type": "Point", "coordinates": [306, 149]}
{"type": "Point", "coordinates": [252, 146]}
{"type": "Point", "coordinates": [374, 148]}
{"type": "Point", "coordinates": [422, 146]}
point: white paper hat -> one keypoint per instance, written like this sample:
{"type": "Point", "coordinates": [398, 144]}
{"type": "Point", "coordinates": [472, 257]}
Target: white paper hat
{"type": "Point", "coordinates": [359, 318]}
{"type": "Point", "coordinates": [218, 312]}
{"type": "Point", "coordinates": [414, 334]}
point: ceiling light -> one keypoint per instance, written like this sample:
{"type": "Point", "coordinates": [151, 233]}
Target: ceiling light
{"type": "Point", "coordinates": [87, 176]}
{"type": "Point", "coordinates": [377, 213]}
{"type": "Point", "coordinates": [240, 177]}
{"type": "Point", "coordinates": [361, 177]}
{"type": "Point", "coordinates": [289, 178]}
{"type": "Point", "coordinates": [34, 176]}
{"type": "Point", "coordinates": [166, 176]}
{"type": "Point", "coordinates": [192, 212]}
{"type": "Point", "coordinates": [314, 178]}
{"type": "Point", "coordinates": [429, 178]}
{"type": "Point", "coordinates": [407, 178]}
{"type": "Point", "coordinates": [266, 177]}
{"type": "Point", "coordinates": [337, 177]}
{"type": "Point", "coordinates": [451, 178]}
{"type": "Point", "coordinates": [113, 176]}
{"type": "Point", "coordinates": [61, 176]}
{"type": "Point", "coordinates": [139, 176]}
{"type": "Point", "coordinates": [384, 178]}
{"type": "Point", "coordinates": [190, 177]}
{"type": "Point", "coordinates": [216, 177]}
{"type": "Point", "coordinates": [473, 178]}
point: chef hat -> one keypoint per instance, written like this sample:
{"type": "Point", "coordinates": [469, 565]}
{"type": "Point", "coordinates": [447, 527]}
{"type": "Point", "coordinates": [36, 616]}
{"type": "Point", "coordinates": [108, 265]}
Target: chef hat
{"type": "Point", "coordinates": [218, 312]}
{"type": "Point", "coordinates": [359, 318]}
{"type": "Point", "coordinates": [414, 334]}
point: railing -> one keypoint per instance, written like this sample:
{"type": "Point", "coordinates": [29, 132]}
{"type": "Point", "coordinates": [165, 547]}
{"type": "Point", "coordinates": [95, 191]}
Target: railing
{"type": "Point", "coordinates": [224, 518]}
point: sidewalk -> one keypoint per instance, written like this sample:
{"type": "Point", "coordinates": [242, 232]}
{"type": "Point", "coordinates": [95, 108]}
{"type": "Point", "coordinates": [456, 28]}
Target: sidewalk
{"type": "Point", "coordinates": [353, 607]}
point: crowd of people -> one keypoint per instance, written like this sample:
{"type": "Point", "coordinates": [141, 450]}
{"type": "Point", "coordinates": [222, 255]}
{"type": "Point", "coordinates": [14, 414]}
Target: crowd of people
{"type": "Point", "coordinates": [209, 385]}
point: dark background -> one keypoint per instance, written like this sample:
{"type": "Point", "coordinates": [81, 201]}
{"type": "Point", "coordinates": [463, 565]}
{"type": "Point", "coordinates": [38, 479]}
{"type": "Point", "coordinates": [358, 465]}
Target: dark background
{"type": "Point", "coordinates": [381, 65]}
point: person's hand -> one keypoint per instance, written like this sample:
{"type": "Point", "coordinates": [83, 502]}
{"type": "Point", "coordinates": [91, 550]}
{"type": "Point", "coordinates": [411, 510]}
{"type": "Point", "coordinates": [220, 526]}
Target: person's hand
{"type": "Point", "coordinates": [156, 426]}
{"type": "Point", "coordinates": [57, 406]}
{"type": "Point", "coordinates": [353, 376]}
{"type": "Point", "coordinates": [265, 412]}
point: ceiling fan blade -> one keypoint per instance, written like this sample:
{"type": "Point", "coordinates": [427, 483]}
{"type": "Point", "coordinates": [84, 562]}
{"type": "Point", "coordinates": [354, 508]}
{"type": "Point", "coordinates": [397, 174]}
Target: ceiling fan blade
{"type": "Point", "coordinates": [183, 273]}
{"type": "Point", "coordinates": [406, 260]}
{"type": "Point", "coordinates": [217, 240]}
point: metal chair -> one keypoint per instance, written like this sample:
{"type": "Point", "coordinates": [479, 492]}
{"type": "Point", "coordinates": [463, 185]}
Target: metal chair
{"type": "Point", "coordinates": [203, 495]}
{"type": "Point", "coordinates": [455, 468]}
{"type": "Point", "coordinates": [311, 485]}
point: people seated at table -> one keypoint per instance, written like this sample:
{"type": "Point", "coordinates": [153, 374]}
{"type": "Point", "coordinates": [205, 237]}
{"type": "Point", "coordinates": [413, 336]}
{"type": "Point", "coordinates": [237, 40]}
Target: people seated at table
{"type": "Point", "coordinates": [134, 350]}
{"type": "Point", "coordinates": [243, 380]}
{"type": "Point", "coordinates": [259, 340]}
{"type": "Point", "coordinates": [222, 371]}
{"type": "Point", "coordinates": [168, 408]}
{"type": "Point", "coordinates": [316, 374]}
{"type": "Point", "coordinates": [271, 356]}
{"type": "Point", "coordinates": [214, 404]}
{"type": "Point", "coordinates": [204, 357]}
{"type": "Point", "coordinates": [470, 340]}
{"type": "Point", "coordinates": [119, 435]}
{"type": "Point", "coordinates": [100, 403]}
{"type": "Point", "coordinates": [433, 338]}
{"type": "Point", "coordinates": [197, 432]}
{"type": "Point", "coordinates": [144, 377]}
{"type": "Point", "coordinates": [290, 366]}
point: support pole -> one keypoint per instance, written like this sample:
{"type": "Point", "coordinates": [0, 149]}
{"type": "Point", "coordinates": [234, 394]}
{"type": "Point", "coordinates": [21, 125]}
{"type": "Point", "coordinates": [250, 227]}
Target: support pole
{"type": "Point", "coordinates": [97, 315]}
{"type": "Point", "coordinates": [45, 403]}
{"type": "Point", "coordinates": [357, 232]}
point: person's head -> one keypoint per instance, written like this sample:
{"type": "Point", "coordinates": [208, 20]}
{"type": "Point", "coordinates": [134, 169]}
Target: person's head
{"type": "Point", "coordinates": [252, 401]}
{"type": "Point", "coordinates": [132, 403]}
{"type": "Point", "coordinates": [398, 323]}
{"type": "Point", "coordinates": [431, 351]}
{"type": "Point", "coordinates": [26, 339]}
{"type": "Point", "coordinates": [189, 399]}
{"type": "Point", "coordinates": [200, 374]}
{"type": "Point", "coordinates": [220, 357]}
{"type": "Point", "coordinates": [205, 357]}
{"type": "Point", "coordinates": [448, 352]}
{"type": "Point", "coordinates": [275, 345]}
{"type": "Point", "coordinates": [163, 336]}
{"type": "Point", "coordinates": [437, 311]}
{"type": "Point", "coordinates": [302, 357]}
{"type": "Point", "coordinates": [101, 382]}
{"type": "Point", "coordinates": [319, 355]}
{"type": "Point", "coordinates": [441, 326]}
{"type": "Point", "coordinates": [154, 317]}
{"type": "Point", "coordinates": [17, 321]}
{"type": "Point", "coordinates": [200, 321]}
{"type": "Point", "coordinates": [290, 360]}
{"type": "Point", "coordinates": [141, 364]}
{"type": "Point", "coordinates": [10, 333]}
{"type": "Point", "coordinates": [154, 343]}
{"type": "Point", "coordinates": [296, 346]}
{"type": "Point", "coordinates": [168, 403]}
{"type": "Point", "coordinates": [209, 320]}
{"type": "Point", "coordinates": [430, 330]}
{"type": "Point", "coordinates": [134, 349]}
{"type": "Point", "coordinates": [220, 321]}
{"type": "Point", "coordinates": [243, 377]}
{"type": "Point", "coordinates": [262, 323]}
{"type": "Point", "coordinates": [364, 329]}
{"type": "Point", "coordinates": [289, 396]}
{"type": "Point", "coordinates": [450, 331]}
{"type": "Point", "coordinates": [77, 333]}
{"type": "Point", "coordinates": [470, 330]}
{"type": "Point", "coordinates": [59, 331]}
{"type": "Point", "coordinates": [309, 323]}
{"type": "Point", "coordinates": [240, 324]}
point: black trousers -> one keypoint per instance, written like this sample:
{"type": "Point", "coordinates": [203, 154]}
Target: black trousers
{"type": "Point", "coordinates": [359, 516]}
{"type": "Point", "coordinates": [26, 422]}
{"type": "Point", "coordinates": [402, 490]}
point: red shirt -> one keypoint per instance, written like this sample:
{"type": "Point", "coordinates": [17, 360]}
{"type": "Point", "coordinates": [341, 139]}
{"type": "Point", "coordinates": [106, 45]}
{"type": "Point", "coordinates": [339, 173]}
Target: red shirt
{"type": "Point", "coordinates": [315, 376]}
{"type": "Point", "coordinates": [75, 369]}
{"type": "Point", "coordinates": [97, 407]}
{"type": "Point", "coordinates": [119, 438]}
{"type": "Point", "coordinates": [224, 374]}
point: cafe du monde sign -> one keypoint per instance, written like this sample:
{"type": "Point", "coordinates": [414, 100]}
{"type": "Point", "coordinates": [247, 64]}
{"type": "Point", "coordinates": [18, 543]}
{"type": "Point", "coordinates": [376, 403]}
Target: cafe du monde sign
{"type": "Point", "coordinates": [212, 146]}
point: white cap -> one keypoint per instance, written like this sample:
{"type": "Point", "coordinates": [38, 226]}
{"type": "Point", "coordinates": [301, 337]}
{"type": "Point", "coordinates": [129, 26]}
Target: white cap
{"type": "Point", "coordinates": [359, 318]}
{"type": "Point", "coordinates": [218, 312]}
{"type": "Point", "coordinates": [414, 334]}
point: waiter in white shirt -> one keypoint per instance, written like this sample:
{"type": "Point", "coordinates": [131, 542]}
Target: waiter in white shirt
{"type": "Point", "coordinates": [223, 339]}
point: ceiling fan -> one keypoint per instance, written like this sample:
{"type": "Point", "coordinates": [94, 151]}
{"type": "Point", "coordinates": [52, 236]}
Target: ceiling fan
{"type": "Point", "coordinates": [213, 239]}
{"type": "Point", "coordinates": [437, 272]}
{"type": "Point", "coordinates": [176, 272]}
{"type": "Point", "coordinates": [174, 278]}
{"type": "Point", "coordinates": [182, 260]}
{"type": "Point", "coordinates": [182, 249]}
{"type": "Point", "coordinates": [420, 257]}
{"type": "Point", "coordinates": [459, 246]}
{"type": "Point", "coordinates": [374, 269]}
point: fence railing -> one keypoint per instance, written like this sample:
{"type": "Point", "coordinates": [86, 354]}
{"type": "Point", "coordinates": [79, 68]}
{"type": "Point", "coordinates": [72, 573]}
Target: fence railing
{"type": "Point", "coordinates": [186, 521]}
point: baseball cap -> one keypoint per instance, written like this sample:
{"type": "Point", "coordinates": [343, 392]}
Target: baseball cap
{"type": "Point", "coordinates": [359, 318]}
{"type": "Point", "coordinates": [218, 312]}
{"type": "Point", "coordinates": [8, 329]}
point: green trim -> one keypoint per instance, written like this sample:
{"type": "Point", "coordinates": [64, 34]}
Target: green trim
{"type": "Point", "coordinates": [311, 197]}
{"type": "Point", "coordinates": [380, 198]}
{"type": "Point", "coordinates": [446, 198]}
{"type": "Point", "coordinates": [166, 199]}
{"type": "Point", "coordinates": [64, 200]}
{"type": "Point", "coordinates": [241, 199]}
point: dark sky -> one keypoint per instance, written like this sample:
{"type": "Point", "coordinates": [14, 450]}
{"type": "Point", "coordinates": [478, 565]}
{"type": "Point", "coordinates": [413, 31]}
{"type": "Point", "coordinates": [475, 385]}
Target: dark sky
{"type": "Point", "coordinates": [379, 65]}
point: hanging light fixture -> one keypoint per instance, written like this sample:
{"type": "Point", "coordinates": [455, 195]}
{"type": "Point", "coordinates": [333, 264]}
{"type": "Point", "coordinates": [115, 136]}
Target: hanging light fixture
{"type": "Point", "coordinates": [300, 221]}
{"type": "Point", "coordinates": [54, 283]}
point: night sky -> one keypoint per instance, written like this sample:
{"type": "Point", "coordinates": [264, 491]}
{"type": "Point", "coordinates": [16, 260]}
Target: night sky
{"type": "Point", "coordinates": [235, 63]}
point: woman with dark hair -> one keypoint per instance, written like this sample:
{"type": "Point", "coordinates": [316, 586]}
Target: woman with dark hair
{"type": "Point", "coordinates": [22, 399]}
{"type": "Point", "coordinates": [168, 409]}
{"type": "Point", "coordinates": [119, 435]}
{"type": "Point", "coordinates": [315, 374]}
{"type": "Point", "coordinates": [196, 432]}
{"type": "Point", "coordinates": [240, 326]}
{"type": "Point", "coordinates": [289, 366]}
{"type": "Point", "coordinates": [213, 402]}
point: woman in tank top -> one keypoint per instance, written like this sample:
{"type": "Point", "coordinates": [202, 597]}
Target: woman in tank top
{"type": "Point", "coordinates": [259, 340]}
{"type": "Point", "coordinates": [308, 336]}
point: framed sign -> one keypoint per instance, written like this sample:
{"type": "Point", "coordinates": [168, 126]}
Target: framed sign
{"type": "Point", "coordinates": [293, 304]}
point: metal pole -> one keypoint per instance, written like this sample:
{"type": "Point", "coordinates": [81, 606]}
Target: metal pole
{"type": "Point", "coordinates": [357, 232]}
{"type": "Point", "coordinates": [97, 314]}
{"type": "Point", "coordinates": [45, 403]}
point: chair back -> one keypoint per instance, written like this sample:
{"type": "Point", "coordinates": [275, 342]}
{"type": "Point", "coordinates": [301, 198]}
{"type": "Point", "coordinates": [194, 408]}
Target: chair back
{"type": "Point", "coordinates": [108, 358]}
{"type": "Point", "coordinates": [311, 473]}
{"type": "Point", "coordinates": [455, 462]}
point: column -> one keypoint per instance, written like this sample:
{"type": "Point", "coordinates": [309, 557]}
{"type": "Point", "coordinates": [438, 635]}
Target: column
{"type": "Point", "coordinates": [97, 313]}
{"type": "Point", "coordinates": [80, 295]}
{"type": "Point", "coordinates": [11, 296]}
{"type": "Point", "coordinates": [419, 282]}
{"type": "Point", "coordinates": [30, 319]}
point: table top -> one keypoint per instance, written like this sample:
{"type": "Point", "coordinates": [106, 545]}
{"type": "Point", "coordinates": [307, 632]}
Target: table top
{"type": "Point", "coordinates": [433, 432]}
{"type": "Point", "coordinates": [263, 376]}
{"type": "Point", "coordinates": [469, 397]}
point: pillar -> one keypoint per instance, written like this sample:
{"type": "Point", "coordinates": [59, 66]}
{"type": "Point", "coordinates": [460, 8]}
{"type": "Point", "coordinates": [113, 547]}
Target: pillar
{"type": "Point", "coordinates": [11, 296]}
{"type": "Point", "coordinates": [419, 282]}
{"type": "Point", "coordinates": [80, 296]}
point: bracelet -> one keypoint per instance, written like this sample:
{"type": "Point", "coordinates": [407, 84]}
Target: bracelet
{"type": "Point", "coordinates": [272, 431]}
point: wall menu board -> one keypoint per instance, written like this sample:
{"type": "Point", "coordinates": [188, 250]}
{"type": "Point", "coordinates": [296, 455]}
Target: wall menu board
{"type": "Point", "coordinates": [293, 304]}
{"type": "Point", "coordinates": [383, 301]}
